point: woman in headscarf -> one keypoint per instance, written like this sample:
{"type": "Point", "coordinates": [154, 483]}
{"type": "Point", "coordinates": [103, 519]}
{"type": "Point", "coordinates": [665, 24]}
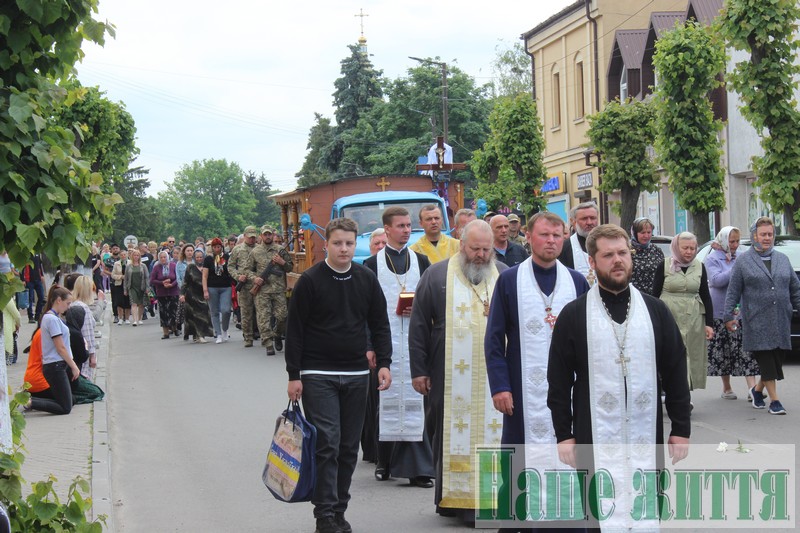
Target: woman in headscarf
{"type": "Point", "coordinates": [726, 357]}
{"type": "Point", "coordinates": [647, 257]}
{"type": "Point", "coordinates": [195, 306]}
{"type": "Point", "coordinates": [165, 282]}
{"type": "Point", "coordinates": [682, 284]}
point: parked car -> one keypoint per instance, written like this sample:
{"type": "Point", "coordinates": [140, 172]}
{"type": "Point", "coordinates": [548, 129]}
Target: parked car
{"type": "Point", "coordinates": [789, 245]}
{"type": "Point", "coordinates": [664, 242]}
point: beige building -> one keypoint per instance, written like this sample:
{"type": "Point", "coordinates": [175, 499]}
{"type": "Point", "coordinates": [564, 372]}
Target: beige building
{"type": "Point", "coordinates": [572, 52]}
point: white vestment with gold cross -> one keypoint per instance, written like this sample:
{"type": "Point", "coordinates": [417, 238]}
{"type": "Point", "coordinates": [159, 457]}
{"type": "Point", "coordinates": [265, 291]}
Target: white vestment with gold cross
{"type": "Point", "coordinates": [470, 418]}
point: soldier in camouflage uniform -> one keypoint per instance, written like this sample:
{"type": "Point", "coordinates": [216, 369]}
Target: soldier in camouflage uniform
{"type": "Point", "coordinates": [270, 290]}
{"type": "Point", "coordinates": [514, 233]}
{"type": "Point", "coordinates": [236, 268]}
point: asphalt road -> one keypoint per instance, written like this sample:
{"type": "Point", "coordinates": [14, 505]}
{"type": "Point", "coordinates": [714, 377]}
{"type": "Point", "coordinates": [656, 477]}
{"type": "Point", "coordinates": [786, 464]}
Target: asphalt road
{"type": "Point", "coordinates": [190, 426]}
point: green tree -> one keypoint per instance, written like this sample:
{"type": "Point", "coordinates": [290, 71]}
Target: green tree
{"type": "Point", "coordinates": [687, 60]}
{"type": "Point", "coordinates": [398, 129]}
{"type": "Point", "coordinates": [766, 84]}
{"type": "Point", "coordinates": [315, 166]}
{"type": "Point", "coordinates": [513, 153]}
{"type": "Point", "coordinates": [49, 193]}
{"type": "Point", "coordinates": [356, 90]}
{"type": "Point", "coordinates": [208, 198]}
{"type": "Point", "coordinates": [139, 215]}
{"type": "Point", "coordinates": [511, 69]}
{"type": "Point", "coordinates": [106, 131]}
{"type": "Point", "coordinates": [266, 210]}
{"type": "Point", "coordinates": [622, 133]}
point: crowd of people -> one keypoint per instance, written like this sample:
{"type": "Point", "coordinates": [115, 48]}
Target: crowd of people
{"type": "Point", "coordinates": [522, 335]}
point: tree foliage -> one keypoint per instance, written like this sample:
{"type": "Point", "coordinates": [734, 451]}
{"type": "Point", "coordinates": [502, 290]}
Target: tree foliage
{"type": "Point", "coordinates": [401, 127]}
{"type": "Point", "coordinates": [316, 165]}
{"type": "Point", "coordinates": [688, 59]}
{"type": "Point", "coordinates": [766, 84]}
{"type": "Point", "coordinates": [266, 210]}
{"type": "Point", "coordinates": [357, 88]}
{"type": "Point", "coordinates": [208, 198]}
{"type": "Point", "coordinates": [512, 70]}
{"type": "Point", "coordinates": [106, 131]}
{"type": "Point", "coordinates": [509, 167]}
{"type": "Point", "coordinates": [139, 215]}
{"type": "Point", "coordinates": [49, 193]}
{"type": "Point", "coordinates": [622, 134]}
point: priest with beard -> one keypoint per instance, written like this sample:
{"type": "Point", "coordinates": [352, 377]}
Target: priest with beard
{"type": "Point", "coordinates": [613, 351]}
{"type": "Point", "coordinates": [584, 217]}
{"type": "Point", "coordinates": [448, 323]}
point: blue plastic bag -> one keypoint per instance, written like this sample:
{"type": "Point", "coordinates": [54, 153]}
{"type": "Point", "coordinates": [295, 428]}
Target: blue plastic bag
{"type": "Point", "coordinates": [290, 472]}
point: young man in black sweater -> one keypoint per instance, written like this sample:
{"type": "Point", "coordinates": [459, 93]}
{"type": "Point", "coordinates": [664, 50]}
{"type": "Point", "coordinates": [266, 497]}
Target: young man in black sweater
{"type": "Point", "coordinates": [327, 364]}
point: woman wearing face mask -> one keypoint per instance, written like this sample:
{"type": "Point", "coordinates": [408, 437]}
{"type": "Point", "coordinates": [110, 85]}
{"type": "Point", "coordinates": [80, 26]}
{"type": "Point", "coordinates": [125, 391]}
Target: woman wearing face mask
{"type": "Point", "coordinates": [195, 307]}
{"type": "Point", "coordinates": [682, 284]}
{"type": "Point", "coordinates": [647, 257]}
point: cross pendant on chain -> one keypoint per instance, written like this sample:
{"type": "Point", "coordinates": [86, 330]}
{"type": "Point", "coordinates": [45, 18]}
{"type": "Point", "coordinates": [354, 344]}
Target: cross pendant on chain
{"type": "Point", "coordinates": [550, 318]}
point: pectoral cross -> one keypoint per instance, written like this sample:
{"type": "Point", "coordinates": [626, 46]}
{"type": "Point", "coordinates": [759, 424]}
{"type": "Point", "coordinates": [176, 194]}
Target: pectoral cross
{"type": "Point", "coordinates": [485, 308]}
{"type": "Point", "coordinates": [550, 318]}
{"type": "Point", "coordinates": [622, 361]}
{"type": "Point", "coordinates": [591, 278]}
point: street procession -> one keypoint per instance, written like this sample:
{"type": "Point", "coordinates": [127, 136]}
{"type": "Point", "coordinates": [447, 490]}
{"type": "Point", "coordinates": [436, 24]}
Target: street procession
{"type": "Point", "coordinates": [505, 273]}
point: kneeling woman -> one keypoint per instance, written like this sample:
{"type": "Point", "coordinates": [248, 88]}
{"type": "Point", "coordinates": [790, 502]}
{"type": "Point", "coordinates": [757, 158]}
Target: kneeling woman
{"type": "Point", "coordinates": [58, 367]}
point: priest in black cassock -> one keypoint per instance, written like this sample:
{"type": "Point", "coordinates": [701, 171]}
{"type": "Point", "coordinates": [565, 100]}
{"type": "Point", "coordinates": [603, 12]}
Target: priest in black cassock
{"type": "Point", "coordinates": [404, 447]}
{"type": "Point", "coordinates": [448, 324]}
{"type": "Point", "coordinates": [609, 395]}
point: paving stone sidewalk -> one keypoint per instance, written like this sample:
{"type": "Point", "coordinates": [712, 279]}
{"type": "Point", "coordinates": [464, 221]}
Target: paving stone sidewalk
{"type": "Point", "coordinates": [71, 445]}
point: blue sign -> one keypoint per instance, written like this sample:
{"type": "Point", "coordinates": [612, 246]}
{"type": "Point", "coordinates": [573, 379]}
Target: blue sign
{"type": "Point", "coordinates": [552, 184]}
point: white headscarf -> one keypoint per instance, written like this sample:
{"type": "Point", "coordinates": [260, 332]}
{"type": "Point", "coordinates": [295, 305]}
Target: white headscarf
{"type": "Point", "coordinates": [720, 242]}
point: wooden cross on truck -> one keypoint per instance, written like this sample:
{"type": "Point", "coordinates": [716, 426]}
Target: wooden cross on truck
{"type": "Point", "coordinates": [440, 165]}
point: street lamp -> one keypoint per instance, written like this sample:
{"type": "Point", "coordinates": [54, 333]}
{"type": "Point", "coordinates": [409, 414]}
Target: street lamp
{"type": "Point", "coordinates": [444, 90]}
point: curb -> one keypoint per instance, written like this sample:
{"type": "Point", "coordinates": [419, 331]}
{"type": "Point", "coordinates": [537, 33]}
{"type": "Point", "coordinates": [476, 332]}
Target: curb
{"type": "Point", "coordinates": [100, 453]}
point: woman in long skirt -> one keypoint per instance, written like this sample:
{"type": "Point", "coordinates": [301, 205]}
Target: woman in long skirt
{"type": "Point", "coordinates": [195, 306]}
{"type": "Point", "coordinates": [165, 282]}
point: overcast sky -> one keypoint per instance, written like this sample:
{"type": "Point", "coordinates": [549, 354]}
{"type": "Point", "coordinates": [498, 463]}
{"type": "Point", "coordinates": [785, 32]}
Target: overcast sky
{"type": "Point", "coordinates": [241, 80]}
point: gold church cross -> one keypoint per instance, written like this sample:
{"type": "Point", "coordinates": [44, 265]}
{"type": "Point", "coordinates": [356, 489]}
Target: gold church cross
{"type": "Point", "coordinates": [463, 308]}
{"type": "Point", "coordinates": [462, 366]}
{"type": "Point", "coordinates": [383, 183]}
{"type": "Point", "coordinates": [495, 425]}
{"type": "Point", "coordinates": [461, 425]}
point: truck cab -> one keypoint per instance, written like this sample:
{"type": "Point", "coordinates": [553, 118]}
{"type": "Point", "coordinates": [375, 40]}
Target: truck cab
{"type": "Point", "coordinates": [367, 208]}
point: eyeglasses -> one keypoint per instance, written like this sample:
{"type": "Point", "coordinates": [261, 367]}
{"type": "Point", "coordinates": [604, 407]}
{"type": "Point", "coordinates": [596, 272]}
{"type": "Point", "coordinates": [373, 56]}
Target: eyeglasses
{"type": "Point", "coordinates": [171, 242]}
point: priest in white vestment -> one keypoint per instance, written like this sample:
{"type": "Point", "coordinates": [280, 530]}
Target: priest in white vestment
{"type": "Point", "coordinates": [585, 217]}
{"type": "Point", "coordinates": [613, 351]}
{"type": "Point", "coordinates": [448, 324]}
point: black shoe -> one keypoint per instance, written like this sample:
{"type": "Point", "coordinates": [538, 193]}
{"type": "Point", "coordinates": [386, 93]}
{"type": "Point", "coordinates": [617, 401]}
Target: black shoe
{"type": "Point", "coordinates": [279, 343]}
{"type": "Point", "coordinates": [422, 481]}
{"type": "Point", "coordinates": [238, 326]}
{"type": "Point", "coordinates": [344, 525]}
{"type": "Point", "coordinates": [116, 319]}
{"type": "Point", "coordinates": [270, 350]}
{"type": "Point", "coordinates": [32, 321]}
{"type": "Point", "coordinates": [382, 473]}
{"type": "Point", "coordinates": [327, 524]}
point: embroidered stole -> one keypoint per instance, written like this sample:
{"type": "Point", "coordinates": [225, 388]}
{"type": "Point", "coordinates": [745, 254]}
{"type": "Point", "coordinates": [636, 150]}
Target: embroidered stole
{"type": "Point", "coordinates": [401, 413]}
{"type": "Point", "coordinates": [623, 415]}
{"type": "Point", "coordinates": [580, 260]}
{"type": "Point", "coordinates": [470, 419]}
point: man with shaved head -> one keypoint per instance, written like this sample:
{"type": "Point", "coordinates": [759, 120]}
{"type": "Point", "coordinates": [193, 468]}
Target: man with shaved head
{"type": "Point", "coordinates": [507, 252]}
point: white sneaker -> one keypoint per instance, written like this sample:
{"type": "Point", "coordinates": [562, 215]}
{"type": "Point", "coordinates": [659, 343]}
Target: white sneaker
{"type": "Point", "coordinates": [225, 336]}
{"type": "Point", "coordinates": [219, 339]}
{"type": "Point", "coordinates": [139, 322]}
{"type": "Point", "coordinates": [127, 321]}
{"type": "Point", "coordinates": [121, 322]}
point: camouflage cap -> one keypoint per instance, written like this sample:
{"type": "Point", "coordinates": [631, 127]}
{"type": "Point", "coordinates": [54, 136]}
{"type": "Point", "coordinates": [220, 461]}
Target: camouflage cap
{"type": "Point", "coordinates": [251, 231]}
{"type": "Point", "coordinates": [266, 228]}
{"type": "Point", "coordinates": [513, 217]}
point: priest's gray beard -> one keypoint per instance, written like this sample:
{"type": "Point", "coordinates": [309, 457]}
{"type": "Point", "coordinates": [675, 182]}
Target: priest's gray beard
{"type": "Point", "coordinates": [475, 272]}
